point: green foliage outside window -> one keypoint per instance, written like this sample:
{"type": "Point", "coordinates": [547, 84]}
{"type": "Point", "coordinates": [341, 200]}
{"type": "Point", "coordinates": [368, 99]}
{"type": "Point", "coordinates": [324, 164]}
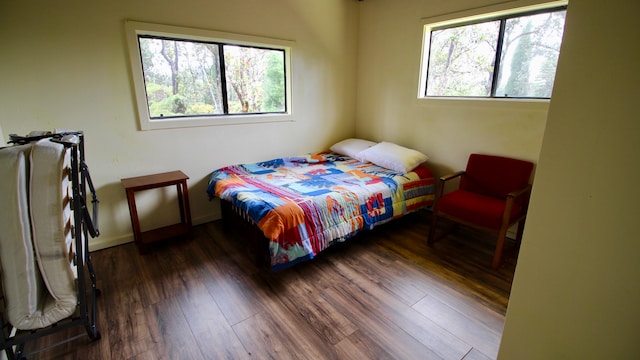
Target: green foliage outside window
{"type": "Point", "coordinates": [523, 49]}
{"type": "Point", "coordinates": [184, 78]}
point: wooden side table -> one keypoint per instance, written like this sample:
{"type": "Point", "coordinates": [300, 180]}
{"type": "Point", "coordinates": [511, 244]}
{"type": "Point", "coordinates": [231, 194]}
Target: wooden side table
{"type": "Point", "coordinates": [177, 178]}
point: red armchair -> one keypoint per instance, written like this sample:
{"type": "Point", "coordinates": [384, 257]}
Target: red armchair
{"type": "Point", "coordinates": [493, 195]}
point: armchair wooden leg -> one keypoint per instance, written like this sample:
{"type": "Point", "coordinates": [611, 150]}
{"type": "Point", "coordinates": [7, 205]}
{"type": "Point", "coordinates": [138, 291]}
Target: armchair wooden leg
{"type": "Point", "coordinates": [497, 256]}
{"type": "Point", "coordinates": [519, 232]}
{"type": "Point", "coordinates": [432, 230]}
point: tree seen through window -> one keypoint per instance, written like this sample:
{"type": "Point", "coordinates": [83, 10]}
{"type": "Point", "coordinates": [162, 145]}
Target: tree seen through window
{"type": "Point", "coordinates": [513, 56]}
{"type": "Point", "coordinates": [185, 78]}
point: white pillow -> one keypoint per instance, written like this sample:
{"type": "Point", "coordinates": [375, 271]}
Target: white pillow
{"type": "Point", "coordinates": [394, 157]}
{"type": "Point", "coordinates": [351, 147]}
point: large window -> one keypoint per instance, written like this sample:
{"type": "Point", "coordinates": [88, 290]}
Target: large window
{"type": "Point", "coordinates": [188, 77]}
{"type": "Point", "coordinates": [508, 56]}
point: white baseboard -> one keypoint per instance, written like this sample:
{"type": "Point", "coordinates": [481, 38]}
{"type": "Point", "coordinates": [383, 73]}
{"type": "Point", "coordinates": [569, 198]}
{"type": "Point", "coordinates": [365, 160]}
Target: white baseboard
{"type": "Point", "coordinates": [100, 243]}
{"type": "Point", "coordinates": [204, 219]}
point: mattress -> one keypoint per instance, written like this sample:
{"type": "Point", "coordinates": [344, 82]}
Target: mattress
{"type": "Point", "coordinates": [21, 279]}
{"type": "Point", "coordinates": [35, 241]}
{"type": "Point", "coordinates": [50, 208]}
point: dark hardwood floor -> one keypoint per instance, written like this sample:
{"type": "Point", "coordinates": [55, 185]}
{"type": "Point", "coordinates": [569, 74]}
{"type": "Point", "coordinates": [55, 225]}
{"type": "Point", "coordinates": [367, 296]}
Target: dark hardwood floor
{"type": "Point", "coordinates": [382, 295]}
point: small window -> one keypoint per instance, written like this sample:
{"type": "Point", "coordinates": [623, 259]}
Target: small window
{"type": "Point", "coordinates": [508, 56]}
{"type": "Point", "coordinates": [188, 77]}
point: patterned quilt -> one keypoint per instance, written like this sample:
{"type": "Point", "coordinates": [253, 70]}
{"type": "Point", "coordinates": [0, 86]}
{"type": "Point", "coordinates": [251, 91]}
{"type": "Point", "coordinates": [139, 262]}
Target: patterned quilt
{"type": "Point", "coordinates": [305, 204]}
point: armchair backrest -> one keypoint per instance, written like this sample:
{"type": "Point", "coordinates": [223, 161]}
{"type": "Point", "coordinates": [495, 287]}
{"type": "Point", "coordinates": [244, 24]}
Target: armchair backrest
{"type": "Point", "coordinates": [495, 176]}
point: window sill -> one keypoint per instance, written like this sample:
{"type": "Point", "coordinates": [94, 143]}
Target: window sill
{"type": "Point", "coordinates": [486, 103]}
{"type": "Point", "coordinates": [172, 123]}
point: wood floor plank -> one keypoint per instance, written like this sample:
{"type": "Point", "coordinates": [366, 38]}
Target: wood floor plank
{"type": "Point", "coordinates": [357, 304]}
{"type": "Point", "coordinates": [172, 337]}
{"type": "Point", "coordinates": [358, 346]}
{"type": "Point", "coordinates": [124, 314]}
{"type": "Point", "coordinates": [272, 335]}
{"type": "Point", "coordinates": [215, 337]}
{"type": "Point", "coordinates": [214, 334]}
{"type": "Point", "coordinates": [128, 332]}
{"type": "Point", "coordinates": [148, 355]}
{"type": "Point", "coordinates": [384, 273]}
{"type": "Point", "coordinates": [387, 306]}
{"type": "Point", "coordinates": [475, 354]}
{"type": "Point", "coordinates": [474, 333]}
{"type": "Point", "coordinates": [453, 260]}
{"type": "Point", "coordinates": [433, 284]}
{"type": "Point", "coordinates": [384, 294]}
{"type": "Point", "coordinates": [328, 323]}
{"type": "Point", "coordinates": [231, 287]}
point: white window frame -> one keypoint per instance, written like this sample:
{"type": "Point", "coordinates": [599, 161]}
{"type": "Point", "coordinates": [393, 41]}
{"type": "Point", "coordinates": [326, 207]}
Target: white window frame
{"type": "Point", "coordinates": [474, 15]}
{"type": "Point", "coordinates": [134, 28]}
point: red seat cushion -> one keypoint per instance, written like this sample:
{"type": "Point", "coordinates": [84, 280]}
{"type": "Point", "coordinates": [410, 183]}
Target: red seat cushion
{"type": "Point", "coordinates": [474, 208]}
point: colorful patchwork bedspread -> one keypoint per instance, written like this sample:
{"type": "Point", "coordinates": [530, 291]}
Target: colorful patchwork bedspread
{"type": "Point", "coordinates": [305, 204]}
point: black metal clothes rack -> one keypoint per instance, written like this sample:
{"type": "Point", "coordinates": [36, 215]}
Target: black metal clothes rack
{"type": "Point", "coordinates": [85, 225]}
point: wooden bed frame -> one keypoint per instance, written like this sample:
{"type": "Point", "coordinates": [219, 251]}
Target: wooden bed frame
{"type": "Point", "coordinates": [237, 221]}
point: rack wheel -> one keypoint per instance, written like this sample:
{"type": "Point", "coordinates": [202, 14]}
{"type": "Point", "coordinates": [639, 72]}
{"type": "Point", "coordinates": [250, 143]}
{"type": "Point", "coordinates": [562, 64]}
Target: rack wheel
{"type": "Point", "coordinates": [95, 335]}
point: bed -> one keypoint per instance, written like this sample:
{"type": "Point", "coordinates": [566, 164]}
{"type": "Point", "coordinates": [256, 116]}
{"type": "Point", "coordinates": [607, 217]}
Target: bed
{"type": "Point", "coordinates": [302, 205]}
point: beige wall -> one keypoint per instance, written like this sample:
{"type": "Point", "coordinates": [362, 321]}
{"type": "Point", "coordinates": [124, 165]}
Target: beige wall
{"type": "Point", "coordinates": [576, 293]}
{"type": "Point", "coordinates": [64, 65]}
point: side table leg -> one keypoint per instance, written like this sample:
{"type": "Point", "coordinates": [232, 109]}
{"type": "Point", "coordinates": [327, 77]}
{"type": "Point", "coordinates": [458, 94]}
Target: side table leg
{"type": "Point", "coordinates": [186, 204]}
{"type": "Point", "coordinates": [179, 187]}
{"type": "Point", "coordinates": [135, 222]}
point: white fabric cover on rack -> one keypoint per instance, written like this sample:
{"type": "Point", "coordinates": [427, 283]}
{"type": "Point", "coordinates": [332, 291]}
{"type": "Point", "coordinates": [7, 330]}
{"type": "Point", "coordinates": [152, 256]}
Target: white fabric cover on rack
{"type": "Point", "coordinates": [35, 235]}
{"type": "Point", "coordinates": [50, 208]}
{"type": "Point", "coordinates": [20, 275]}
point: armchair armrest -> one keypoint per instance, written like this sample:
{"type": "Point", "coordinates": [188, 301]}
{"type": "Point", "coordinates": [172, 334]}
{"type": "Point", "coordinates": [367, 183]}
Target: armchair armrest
{"type": "Point", "coordinates": [443, 180]}
{"type": "Point", "coordinates": [520, 192]}
{"type": "Point", "coordinates": [525, 191]}
{"type": "Point", "coordinates": [452, 176]}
